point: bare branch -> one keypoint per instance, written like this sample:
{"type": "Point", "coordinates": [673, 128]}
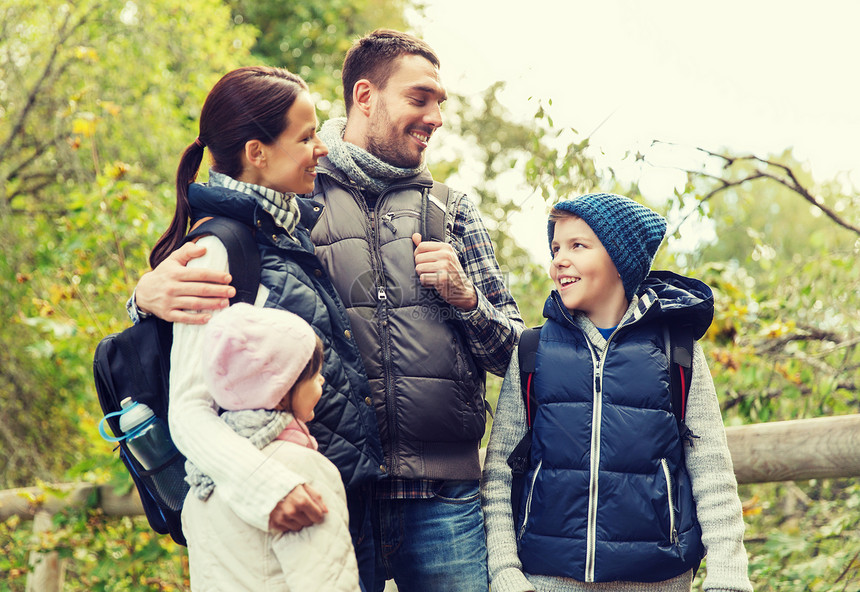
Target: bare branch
{"type": "Point", "coordinates": [789, 181]}
{"type": "Point", "coordinates": [65, 32]}
{"type": "Point", "coordinates": [811, 334]}
{"type": "Point", "coordinates": [38, 150]}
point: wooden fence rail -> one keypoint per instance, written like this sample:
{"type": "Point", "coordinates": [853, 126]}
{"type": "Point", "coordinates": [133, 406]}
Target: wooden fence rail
{"type": "Point", "coordinates": [762, 453]}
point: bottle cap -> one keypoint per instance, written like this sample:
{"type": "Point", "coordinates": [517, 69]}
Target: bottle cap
{"type": "Point", "coordinates": [137, 414]}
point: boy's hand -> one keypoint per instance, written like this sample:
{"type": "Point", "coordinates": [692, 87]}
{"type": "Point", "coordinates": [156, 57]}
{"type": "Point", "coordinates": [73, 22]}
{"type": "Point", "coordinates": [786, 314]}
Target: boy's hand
{"type": "Point", "coordinates": [171, 289]}
{"type": "Point", "coordinates": [301, 507]}
{"type": "Point", "coordinates": [437, 265]}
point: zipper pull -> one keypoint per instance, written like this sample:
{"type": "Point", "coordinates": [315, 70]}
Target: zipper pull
{"type": "Point", "coordinates": [380, 294]}
{"type": "Point", "coordinates": [386, 219]}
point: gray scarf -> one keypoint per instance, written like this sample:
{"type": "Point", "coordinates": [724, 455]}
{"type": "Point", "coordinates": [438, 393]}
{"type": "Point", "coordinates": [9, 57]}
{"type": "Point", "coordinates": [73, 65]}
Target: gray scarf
{"type": "Point", "coordinates": [362, 168]}
{"type": "Point", "coordinates": [260, 426]}
{"type": "Point", "coordinates": [282, 206]}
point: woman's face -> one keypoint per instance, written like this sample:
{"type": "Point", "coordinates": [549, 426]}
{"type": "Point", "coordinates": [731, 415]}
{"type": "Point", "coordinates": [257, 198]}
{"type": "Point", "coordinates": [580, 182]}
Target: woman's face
{"type": "Point", "coordinates": [291, 160]}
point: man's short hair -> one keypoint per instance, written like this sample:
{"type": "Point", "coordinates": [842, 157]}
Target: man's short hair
{"type": "Point", "coordinates": [372, 55]}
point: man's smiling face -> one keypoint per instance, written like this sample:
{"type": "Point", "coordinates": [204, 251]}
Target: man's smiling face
{"type": "Point", "coordinates": [406, 112]}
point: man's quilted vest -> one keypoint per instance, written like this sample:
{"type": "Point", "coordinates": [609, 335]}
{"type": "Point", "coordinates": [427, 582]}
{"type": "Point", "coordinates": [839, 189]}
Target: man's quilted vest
{"type": "Point", "coordinates": [609, 496]}
{"type": "Point", "coordinates": [344, 424]}
{"type": "Point", "coordinates": [427, 391]}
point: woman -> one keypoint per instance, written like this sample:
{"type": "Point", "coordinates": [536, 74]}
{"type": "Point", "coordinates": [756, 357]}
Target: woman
{"type": "Point", "coordinates": [259, 125]}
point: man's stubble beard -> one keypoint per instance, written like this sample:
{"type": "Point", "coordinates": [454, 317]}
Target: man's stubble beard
{"type": "Point", "coordinates": [382, 144]}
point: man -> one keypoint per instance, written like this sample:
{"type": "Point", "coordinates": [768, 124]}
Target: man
{"type": "Point", "coordinates": [429, 316]}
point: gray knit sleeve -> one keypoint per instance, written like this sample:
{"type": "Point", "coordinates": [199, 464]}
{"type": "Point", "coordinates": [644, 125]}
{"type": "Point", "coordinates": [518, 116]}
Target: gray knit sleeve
{"type": "Point", "coordinates": [714, 486]}
{"type": "Point", "coordinates": [509, 426]}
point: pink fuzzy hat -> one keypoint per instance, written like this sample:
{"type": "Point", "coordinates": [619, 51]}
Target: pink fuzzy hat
{"type": "Point", "coordinates": [254, 355]}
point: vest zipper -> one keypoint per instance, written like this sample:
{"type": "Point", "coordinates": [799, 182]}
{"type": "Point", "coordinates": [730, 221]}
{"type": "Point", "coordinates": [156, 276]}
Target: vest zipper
{"type": "Point", "coordinates": [673, 531]}
{"type": "Point", "coordinates": [593, 485]}
{"type": "Point", "coordinates": [388, 219]}
{"type": "Point", "coordinates": [385, 335]}
{"type": "Point", "coordinates": [384, 329]}
{"type": "Point", "coordinates": [382, 316]}
{"type": "Point", "coordinates": [529, 500]}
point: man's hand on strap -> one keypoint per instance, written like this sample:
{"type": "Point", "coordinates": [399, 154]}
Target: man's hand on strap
{"type": "Point", "coordinates": [438, 267]}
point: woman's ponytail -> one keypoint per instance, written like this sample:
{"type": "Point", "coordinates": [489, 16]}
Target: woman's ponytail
{"type": "Point", "coordinates": [186, 174]}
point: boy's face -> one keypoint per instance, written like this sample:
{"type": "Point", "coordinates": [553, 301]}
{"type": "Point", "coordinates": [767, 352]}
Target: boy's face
{"type": "Point", "coordinates": [584, 275]}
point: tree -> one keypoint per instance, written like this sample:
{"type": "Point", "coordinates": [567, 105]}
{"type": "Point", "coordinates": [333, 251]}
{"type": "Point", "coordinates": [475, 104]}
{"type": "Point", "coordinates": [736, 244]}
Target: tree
{"type": "Point", "coordinates": [311, 38]}
{"type": "Point", "coordinates": [784, 344]}
{"type": "Point", "coordinates": [98, 100]}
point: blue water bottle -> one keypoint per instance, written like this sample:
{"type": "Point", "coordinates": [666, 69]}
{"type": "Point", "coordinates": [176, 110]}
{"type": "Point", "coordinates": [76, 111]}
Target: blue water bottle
{"type": "Point", "coordinates": [148, 440]}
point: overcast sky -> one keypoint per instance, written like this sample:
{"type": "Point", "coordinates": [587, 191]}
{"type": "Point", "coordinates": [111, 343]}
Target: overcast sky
{"type": "Point", "coordinates": [752, 76]}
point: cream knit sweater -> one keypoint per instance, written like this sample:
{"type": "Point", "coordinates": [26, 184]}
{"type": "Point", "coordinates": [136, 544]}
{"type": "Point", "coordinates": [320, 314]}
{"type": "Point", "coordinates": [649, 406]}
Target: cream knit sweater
{"type": "Point", "coordinates": [250, 482]}
{"type": "Point", "coordinates": [708, 463]}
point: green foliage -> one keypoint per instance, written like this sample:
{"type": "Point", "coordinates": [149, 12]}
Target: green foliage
{"type": "Point", "coordinates": [75, 214]}
{"type": "Point", "coordinates": [311, 38]}
{"type": "Point", "coordinates": [99, 98]}
{"type": "Point", "coordinates": [804, 536]}
{"type": "Point", "coordinates": [783, 345]}
{"type": "Point", "coordinates": [100, 554]}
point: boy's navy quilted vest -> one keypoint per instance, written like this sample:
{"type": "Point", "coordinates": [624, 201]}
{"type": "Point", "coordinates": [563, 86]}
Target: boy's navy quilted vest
{"type": "Point", "coordinates": [609, 496]}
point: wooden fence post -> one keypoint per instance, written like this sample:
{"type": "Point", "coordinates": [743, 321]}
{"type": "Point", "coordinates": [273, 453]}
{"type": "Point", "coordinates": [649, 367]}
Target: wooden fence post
{"type": "Point", "coordinates": [48, 570]}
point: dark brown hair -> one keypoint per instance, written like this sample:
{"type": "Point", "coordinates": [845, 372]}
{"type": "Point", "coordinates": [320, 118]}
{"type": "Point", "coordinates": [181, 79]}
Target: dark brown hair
{"type": "Point", "coordinates": [314, 364]}
{"type": "Point", "coordinates": [310, 370]}
{"type": "Point", "coordinates": [372, 55]}
{"type": "Point", "coordinates": [246, 104]}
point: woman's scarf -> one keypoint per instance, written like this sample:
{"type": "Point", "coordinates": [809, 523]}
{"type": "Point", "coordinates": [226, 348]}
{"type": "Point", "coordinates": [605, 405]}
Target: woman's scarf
{"type": "Point", "coordinates": [282, 206]}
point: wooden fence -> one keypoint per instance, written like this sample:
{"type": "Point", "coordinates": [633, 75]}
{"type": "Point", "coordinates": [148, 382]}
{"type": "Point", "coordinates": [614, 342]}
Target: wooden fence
{"type": "Point", "coordinates": [761, 453]}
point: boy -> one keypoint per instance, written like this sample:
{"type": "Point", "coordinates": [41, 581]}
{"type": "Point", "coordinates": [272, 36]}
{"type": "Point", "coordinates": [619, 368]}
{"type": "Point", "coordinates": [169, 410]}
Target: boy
{"type": "Point", "coordinates": [615, 498]}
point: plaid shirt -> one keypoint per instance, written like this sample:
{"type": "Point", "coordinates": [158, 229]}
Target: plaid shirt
{"type": "Point", "coordinates": [493, 327]}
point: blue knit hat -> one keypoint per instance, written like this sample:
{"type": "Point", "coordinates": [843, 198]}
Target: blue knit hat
{"type": "Point", "coordinates": [630, 232]}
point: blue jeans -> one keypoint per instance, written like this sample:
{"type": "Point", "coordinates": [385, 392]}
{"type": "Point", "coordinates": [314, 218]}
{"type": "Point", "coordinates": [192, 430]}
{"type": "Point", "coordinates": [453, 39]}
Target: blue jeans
{"type": "Point", "coordinates": [359, 503]}
{"type": "Point", "coordinates": [432, 545]}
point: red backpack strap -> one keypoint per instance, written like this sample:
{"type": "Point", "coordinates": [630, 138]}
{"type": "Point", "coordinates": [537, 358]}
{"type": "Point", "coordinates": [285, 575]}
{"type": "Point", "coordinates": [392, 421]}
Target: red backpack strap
{"type": "Point", "coordinates": [526, 354]}
{"type": "Point", "coordinates": [679, 348]}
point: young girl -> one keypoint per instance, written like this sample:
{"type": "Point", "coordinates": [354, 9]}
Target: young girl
{"type": "Point", "coordinates": [263, 369]}
{"type": "Point", "coordinates": [259, 125]}
{"type": "Point", "coordinates": [615, 498]}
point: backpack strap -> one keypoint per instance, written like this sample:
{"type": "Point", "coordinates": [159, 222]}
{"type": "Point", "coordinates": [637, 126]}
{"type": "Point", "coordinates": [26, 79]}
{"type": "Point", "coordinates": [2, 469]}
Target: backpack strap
{"type": "Point", "coordinates": [434, 208]}
{"type": "Point", "coordinates": [526, 354]}
{"type": "Point", "coordinates": [243, 255]}
{"type": "Point", "coordinates": [520, 458]}
{"type": "Point", "coordinates": [679, 349]}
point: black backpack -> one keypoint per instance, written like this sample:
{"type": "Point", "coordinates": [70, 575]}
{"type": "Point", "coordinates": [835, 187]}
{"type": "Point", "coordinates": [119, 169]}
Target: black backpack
{"type": "Point", "coordinates": [136, 363]}
{"type": "Point", "coordinates": [679, 348]}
